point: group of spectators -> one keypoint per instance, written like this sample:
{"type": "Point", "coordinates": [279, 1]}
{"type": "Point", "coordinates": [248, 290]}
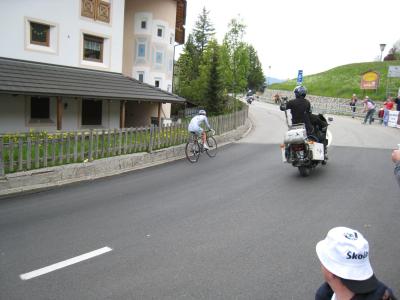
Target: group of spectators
{"type": "Point", "coordinates": [370, 108]}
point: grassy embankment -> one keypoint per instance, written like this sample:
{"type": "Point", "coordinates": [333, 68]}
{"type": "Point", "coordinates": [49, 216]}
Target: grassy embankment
{"type": "Point", "coordinates": [345, 80]}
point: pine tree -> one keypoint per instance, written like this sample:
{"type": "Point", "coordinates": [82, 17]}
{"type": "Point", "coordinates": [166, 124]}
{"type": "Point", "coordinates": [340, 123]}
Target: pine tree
{"type": "Point", "coordinates": [187, 69]}
{"type": "Point", "coordinates": [210, 79]}
{"type": "Point", "coordinates": [255, 78]}
{"type": "Point", "coordinates": [203, 31]}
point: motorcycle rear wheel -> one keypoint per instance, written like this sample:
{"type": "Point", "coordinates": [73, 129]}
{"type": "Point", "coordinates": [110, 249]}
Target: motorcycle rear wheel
{"type": "Point", "coordinates": [304, 171]}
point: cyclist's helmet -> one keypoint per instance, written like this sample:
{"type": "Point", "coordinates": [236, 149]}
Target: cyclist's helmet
{"type": "Point", "coordinates": [202, 112]}
{"type": "Point", "coordinates": [300, 91]}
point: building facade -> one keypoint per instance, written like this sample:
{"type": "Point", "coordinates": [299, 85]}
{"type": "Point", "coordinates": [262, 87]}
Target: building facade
{"type": "Point", "coordinates": [152, 28]}
{"type": "Point", "coordinates": [83, 34]}
{"type": "Point", "coordinates": [76, 33]}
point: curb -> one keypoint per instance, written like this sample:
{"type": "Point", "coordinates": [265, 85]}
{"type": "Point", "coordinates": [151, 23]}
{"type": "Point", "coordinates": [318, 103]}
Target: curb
{"type": "Point", "coordinates": [34, 181]}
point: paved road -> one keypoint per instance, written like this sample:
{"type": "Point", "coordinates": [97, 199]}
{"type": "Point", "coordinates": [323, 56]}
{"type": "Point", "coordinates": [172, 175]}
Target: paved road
{"type": "Point", "coordinates": [239, 226]}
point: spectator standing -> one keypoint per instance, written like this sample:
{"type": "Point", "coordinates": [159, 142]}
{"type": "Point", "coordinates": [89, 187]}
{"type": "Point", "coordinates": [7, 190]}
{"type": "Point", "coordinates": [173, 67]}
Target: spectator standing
{"type": "Point", "coordinates": [396, 160]}
{"type": "Point", "coordinates": [353, 102]}
{"type": "Point", "coordinates": [397, 101]}
{"type": "Point", "coordinates": [345, 265]}
{"type": "Point", "coordinates": [369, 108]}
{"type": "Point", "coordinates": [387, 106]}
{"type": "Point", "coordinates": [277, 99]}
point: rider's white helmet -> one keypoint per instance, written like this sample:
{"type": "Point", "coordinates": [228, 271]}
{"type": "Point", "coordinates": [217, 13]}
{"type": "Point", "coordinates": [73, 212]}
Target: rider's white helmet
{"type": "Point", "coordinates": [202, 112]}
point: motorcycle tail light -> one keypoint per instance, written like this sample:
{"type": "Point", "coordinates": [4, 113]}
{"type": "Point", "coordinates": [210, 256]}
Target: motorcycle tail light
{"type": "Point", "coordinates": [298, 147]}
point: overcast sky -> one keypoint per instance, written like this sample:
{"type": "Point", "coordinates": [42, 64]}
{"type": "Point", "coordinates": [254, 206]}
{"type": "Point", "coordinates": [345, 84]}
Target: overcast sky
{"type": "Point", "coordinates": [311, 35]}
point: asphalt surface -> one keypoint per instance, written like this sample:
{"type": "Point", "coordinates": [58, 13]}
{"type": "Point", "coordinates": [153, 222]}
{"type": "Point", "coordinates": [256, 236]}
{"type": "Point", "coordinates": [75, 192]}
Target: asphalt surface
{"type": "Point", "coordinates": [242, 225]}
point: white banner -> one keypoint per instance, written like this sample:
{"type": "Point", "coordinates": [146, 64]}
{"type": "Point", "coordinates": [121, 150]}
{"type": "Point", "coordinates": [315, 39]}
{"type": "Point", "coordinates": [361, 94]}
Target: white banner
{"type": "Point", "coordinates": [394, 71]}
{"type": "Point", "coordinates": [394, 119]}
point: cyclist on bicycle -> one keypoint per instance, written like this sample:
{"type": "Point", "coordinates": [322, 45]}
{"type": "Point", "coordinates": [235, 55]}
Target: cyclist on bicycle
{"type": "Point", "coordinates": [194, 126]}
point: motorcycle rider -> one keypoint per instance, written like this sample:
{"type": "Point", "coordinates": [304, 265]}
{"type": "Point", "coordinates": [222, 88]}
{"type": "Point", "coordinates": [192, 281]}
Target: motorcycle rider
{"type": "Point", "coordinates": [300, 109]}
{"type": "Point", "coordinates": [249, 96]}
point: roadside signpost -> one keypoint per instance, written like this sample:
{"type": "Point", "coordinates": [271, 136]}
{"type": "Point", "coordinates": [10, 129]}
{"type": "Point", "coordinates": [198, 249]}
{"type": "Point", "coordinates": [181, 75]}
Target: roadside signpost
{"type": "Point", "coordinates": [300, 77]}
{"type": "Point", "coordinates": [392, 82]}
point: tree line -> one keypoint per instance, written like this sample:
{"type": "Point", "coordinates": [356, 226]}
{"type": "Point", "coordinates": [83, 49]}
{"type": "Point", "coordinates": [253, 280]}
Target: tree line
{"type": "Point", "coordinates": [394, 52]}
{"type": "Point", "coordinates": [209, 74]}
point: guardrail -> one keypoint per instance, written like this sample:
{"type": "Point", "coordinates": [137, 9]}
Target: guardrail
{"type": "Point", "coordinates": [34, 150]}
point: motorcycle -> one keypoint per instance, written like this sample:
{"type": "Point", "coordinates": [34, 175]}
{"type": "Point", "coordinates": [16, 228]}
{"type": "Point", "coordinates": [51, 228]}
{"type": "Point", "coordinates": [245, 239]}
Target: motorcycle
{"type": "Point", "coordinates": [249, 99]}
{"type": "Point", "coordinates": [304, 151]}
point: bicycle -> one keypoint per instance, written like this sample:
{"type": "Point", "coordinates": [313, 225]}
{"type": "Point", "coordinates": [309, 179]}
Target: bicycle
{"type": "Point", "coordinates": [194, 147]}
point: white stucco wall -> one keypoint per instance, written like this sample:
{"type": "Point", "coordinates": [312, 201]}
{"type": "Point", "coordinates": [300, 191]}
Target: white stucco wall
{"type": "Point", "coordinates": [68, 27]}
{"type": "Point", "coordinates": [15, 112]}
{"type": "Point", "coordinates": [156, 13]}
{"type": "Point", "coordinates": [113, 114]}
{"type": "Point", "coordinates": [70, 113]}
{"type": "Point", "coordinates": [165, 45]}
{"type": "Point", "coordinates": [12, 113]}
{"type": "Point", "coordinates": [15, 115]}
{"type": "Point", "coordinates": [140, 114]}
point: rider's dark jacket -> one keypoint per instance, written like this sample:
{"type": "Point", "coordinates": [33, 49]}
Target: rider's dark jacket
{"type": "Point", "coordinates": [300, 108]}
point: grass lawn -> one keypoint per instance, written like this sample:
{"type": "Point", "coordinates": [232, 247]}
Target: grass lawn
{"type": "Point", "coordinates": [345, 80]}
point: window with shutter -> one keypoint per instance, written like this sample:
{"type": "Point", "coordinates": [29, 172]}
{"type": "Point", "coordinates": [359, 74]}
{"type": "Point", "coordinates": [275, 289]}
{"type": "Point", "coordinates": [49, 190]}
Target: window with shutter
{"type": "Point", "coordinates": [96, 10]}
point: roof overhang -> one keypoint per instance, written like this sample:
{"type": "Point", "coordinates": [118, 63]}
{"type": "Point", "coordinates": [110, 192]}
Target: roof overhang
{"type": "Point", "coordinates": [32, 78]}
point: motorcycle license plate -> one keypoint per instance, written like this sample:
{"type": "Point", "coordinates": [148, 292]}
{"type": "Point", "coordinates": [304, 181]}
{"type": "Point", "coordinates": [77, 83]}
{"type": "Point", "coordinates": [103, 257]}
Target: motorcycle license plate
{"type": "Point", "coordinates": [300, 154]}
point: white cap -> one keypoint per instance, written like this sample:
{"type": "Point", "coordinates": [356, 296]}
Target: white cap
{"type": "Point", "coordinates": [345, 253]}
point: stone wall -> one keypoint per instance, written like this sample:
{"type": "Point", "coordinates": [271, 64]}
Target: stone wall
{"type": "Point", "coordinates": [268, 94]}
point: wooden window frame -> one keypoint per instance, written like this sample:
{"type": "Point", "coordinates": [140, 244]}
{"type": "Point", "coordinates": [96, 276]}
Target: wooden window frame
{"type": "Point", "coordinates": [32, 42]}
{"type": "Point", "coordinates": [94, 39]}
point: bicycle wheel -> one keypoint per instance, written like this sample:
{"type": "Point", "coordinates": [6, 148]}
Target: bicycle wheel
{"type": "Point", "coordinates": [192, 151]}
{"type": "Point", "coordinates": [212, 143]}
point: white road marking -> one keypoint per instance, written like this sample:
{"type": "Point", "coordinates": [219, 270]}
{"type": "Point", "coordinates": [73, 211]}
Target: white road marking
{"type": "Point", "coordinates": [64, 263]}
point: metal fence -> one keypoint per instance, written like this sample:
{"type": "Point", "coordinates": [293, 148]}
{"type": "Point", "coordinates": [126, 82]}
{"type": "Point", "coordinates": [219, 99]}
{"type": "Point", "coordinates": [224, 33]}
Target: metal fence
{"type": "Point", "coordinates": [34, 150]}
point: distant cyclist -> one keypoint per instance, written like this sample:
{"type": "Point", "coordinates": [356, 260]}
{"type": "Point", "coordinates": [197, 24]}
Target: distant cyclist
{"type": "Point", "coordinates": [194, 126]}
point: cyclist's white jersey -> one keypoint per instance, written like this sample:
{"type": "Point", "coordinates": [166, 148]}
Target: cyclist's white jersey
{"type": "Point", "coordinates": [196, 121]}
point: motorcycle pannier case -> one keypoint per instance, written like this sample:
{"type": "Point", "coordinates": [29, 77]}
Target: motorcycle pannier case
{"type": "Point", "coordinates": [295, 135]}
{"type": "Point", "coordinates": [317, 150]}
